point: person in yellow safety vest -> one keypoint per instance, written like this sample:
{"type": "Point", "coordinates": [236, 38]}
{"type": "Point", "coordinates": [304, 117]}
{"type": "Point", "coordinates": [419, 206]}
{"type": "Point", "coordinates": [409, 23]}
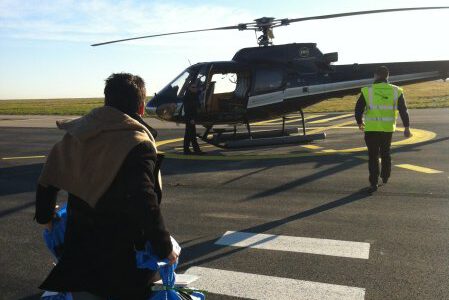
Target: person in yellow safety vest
{"type": "Point", "coordinates": [380, 103]}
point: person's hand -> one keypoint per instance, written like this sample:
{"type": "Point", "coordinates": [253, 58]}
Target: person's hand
{"type": "Point", "coordinates": [362, 126]}
{"type": "Point", "coordinates": [172, 257]}
{"type": "Point", "coordinates": [192, 122]}
{"type": "Point", "coordinates": [407, 132]}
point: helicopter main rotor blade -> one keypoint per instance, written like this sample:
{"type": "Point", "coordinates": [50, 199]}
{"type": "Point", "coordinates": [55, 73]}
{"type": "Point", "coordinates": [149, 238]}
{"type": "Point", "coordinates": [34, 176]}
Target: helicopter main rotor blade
{"type": "Point", "coordinates": [355, 13]}
{"type": "Point", "coordinates": [163, 34]}
{"type": "Point", "coordinates": [276, 23]}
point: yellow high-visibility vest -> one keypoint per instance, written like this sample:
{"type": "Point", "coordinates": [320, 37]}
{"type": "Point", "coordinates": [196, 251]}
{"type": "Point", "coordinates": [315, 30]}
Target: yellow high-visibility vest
{"type": "Point", "coordinates": [381, 109]}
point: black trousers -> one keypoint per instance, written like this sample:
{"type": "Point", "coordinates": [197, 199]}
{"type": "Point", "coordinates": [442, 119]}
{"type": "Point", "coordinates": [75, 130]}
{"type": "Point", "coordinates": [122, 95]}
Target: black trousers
{"type": "Point", "coordinates": [190, 137]}
{"type": "Point", "coordinates": [379, 144]}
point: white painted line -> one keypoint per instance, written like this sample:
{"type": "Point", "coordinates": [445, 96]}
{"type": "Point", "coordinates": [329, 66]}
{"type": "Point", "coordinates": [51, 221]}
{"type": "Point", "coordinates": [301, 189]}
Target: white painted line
{"type": "Point", "coordinates": [295, 244]}
{"type": "Point", "coordinates": [254, 286]}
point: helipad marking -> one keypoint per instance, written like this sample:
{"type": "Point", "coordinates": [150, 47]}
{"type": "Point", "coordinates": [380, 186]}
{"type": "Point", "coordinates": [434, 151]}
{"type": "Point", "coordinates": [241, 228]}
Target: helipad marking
{"type": "Point", "coordinates": [261, 287]}
{"type": "Point", "coordinates": [419, 136]}
{"type": "Point", "coordinates": [266, 122]}
{"type": "Point", "coordinates": [331, 119]}
{"type": "Point", "coordinates": [330, 127]}
{"type": "Point", "coordinates": [329, 151]}
{"type": "Point", "coordinates": [312, 147]}
{"type": "Point", "coordinates": [23, 157]}
{"type": "Point", "coordinates": [328, 247]}
{"type": "Point", "coordinates": [165, 142]}
{"type": "Point", "coordinates": [202, 147]}
{"type": "Point", "coordinates": [419, 169]}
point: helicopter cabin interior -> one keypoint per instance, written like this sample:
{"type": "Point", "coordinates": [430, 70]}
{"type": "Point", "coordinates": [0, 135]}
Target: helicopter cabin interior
{"type": "Point", "coordinates": [227, 91]}
{"type": "Point", "coordinates": [222, 89]}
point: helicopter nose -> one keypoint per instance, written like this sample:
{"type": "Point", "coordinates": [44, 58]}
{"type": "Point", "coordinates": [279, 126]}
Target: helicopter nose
{"type": "Point", "coordinates": [151, 108]}
{"type": "Point", "coordinates": [163, 111]}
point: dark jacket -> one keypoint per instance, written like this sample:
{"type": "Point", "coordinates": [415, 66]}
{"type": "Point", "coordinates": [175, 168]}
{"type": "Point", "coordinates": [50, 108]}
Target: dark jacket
{"type": "Point", "coordinates": [100, 242]}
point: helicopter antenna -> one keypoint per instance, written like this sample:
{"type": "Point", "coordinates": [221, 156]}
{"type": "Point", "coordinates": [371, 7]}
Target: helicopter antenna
{"type": "Point", "coordinates": [189, 62]}
{"type": "Point", "coordinates": [266, 25]}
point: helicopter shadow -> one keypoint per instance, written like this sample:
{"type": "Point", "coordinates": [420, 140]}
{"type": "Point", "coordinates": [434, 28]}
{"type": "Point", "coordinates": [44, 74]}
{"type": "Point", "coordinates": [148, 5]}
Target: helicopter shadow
{"type": "Point", "coordinates": [208, 251]}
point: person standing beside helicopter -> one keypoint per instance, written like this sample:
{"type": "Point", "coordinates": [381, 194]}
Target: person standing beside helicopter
{"type": "Point", "coordinates": [380, 104]}
{"type": "Point", "coordinates": [190, 101]}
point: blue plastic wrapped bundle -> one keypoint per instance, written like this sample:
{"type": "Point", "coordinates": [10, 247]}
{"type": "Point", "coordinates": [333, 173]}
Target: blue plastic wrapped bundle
{"type": "Point", "coordinates": [167, 291]}
{"type": "Point", "coordinates": [56, 296]}
{"type": "Point", "coordinates": [54, 239]}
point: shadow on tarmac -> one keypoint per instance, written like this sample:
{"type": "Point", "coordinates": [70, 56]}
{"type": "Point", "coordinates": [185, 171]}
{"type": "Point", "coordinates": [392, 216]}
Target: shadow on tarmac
{"type": "Point", "coordinates": [16, 180]}
{"type": "Point", "coordinates": [23, 178]}
{"type": "Point", "coordinates": [203, 252]}
{"type": "Point", "coordinates": [19, 179]}
{"type": "Point", "coordinates": [344, 165]}
{"type": "Point", "coordinates": [33, 297]}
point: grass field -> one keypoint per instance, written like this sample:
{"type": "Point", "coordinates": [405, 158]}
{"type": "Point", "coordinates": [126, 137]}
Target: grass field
{"type": "Point", "coordinates": [433, 94]}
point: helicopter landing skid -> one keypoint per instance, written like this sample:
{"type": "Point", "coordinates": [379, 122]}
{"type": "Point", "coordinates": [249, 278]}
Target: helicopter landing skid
{"type": "Point", "coordinates": [229, 139]}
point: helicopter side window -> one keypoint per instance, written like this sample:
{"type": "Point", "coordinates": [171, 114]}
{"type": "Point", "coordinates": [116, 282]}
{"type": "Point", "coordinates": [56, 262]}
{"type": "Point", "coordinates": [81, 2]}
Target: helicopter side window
{"type": "Point", "coordinates": [224, 83]}
{"type": "Point", "coordinates": [267, 80]}
{"type": "Point", "coordinates": [223, 87]}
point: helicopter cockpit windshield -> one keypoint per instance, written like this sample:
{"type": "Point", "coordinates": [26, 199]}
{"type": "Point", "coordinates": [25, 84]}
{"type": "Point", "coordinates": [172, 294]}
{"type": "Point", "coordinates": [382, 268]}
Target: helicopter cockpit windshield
{"type": "Point", "coordinates": [178, 84]}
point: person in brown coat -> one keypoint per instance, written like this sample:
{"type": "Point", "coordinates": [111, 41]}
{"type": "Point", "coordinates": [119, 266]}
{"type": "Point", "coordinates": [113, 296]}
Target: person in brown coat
{"type": "Point", "coordinates": [107, 162]}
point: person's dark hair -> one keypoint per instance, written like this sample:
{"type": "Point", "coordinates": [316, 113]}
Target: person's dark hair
{"type": "Point", "coordinates": [125, 92]}
{"type": "Point", "coordinates": [382, 72]}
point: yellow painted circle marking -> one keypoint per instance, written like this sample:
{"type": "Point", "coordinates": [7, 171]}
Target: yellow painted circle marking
{"type": "Point", "coordinates": [419, 136]}
{"type": "Point", "coordinates": [23, 157]}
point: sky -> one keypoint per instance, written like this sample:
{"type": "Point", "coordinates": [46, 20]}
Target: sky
{"type": "Point", "coordinates": [45, 47]}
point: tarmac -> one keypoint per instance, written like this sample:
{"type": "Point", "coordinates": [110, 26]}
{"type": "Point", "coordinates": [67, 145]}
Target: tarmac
{"type": "Point", "coordinates": [278, 222]}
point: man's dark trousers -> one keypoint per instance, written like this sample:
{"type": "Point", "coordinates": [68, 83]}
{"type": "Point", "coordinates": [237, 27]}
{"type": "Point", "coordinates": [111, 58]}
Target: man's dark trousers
{"type": "Point", "coordinates": [378, 143]}
{"type": "Point", "coordinates": [190, 137]}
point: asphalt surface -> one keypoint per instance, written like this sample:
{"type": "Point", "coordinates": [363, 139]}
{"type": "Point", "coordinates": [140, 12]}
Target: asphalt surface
{"type": "Point", "coordinates": [291, 191]}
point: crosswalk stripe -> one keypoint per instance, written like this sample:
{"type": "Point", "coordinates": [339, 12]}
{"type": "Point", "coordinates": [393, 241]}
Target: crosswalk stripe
{"type": "Point", "coordinates": [331, 119]}
{"type": "Point", "coordinates": [295, 244]}
{"type": "Point", "coordinates": [419, 169]}
{"type": "Point", "coordinates": [254, 286]}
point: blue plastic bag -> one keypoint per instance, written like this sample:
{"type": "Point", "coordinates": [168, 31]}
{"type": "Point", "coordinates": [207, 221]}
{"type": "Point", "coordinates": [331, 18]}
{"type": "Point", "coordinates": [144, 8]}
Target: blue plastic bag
{"type": "Point", "coordinates": [146, 259]}
{"type": "Point", "coordinates": [56, 296]}
{"type": "Point", "coordinates": [54, 238]}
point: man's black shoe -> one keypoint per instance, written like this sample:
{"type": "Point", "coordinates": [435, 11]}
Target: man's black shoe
{"type": "Point", "coordinates": [372, 188]}
{"type": "Point", "coordinates": [385, 180]}
{"type": "Point", "coordinates": [199, 152]}
{"type": "Point", "coordinates": [187, 152]}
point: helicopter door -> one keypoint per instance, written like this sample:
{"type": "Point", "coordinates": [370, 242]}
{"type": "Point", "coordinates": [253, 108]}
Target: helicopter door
{"type": "Point", "coordinates": [268, 87]}
{"type": "Point", "coordinates": [227, 92]}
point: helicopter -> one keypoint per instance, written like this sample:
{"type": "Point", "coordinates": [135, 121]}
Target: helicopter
{"type": "Point", "coordinates": [272, 81]}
